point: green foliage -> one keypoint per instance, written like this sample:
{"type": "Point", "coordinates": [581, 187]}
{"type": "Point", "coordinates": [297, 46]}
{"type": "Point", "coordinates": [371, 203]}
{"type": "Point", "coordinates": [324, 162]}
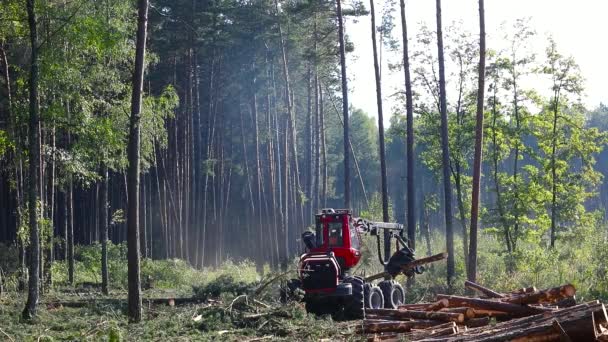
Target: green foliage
{"type": "Point", "coordinates": [173, 274]}
{"type": "Point", "coordinates": [576, 261]}
{"type": "Point", "coordinates": [5, 143]}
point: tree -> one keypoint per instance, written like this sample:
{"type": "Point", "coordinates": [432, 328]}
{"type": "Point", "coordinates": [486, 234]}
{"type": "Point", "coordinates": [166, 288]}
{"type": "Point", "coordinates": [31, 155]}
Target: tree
{"type": "Point", "coordinates": [135, 309]}
{"type": "Point", "coordinates": [34, 165]}
{"type": "Point", "coordinates": [472, 265]}
{"type": "Point", "coordinates": [411, 192]}
{"type": "Point", "coordinates": [384, 187]}
{"type": "Point", "coordinates": [103, 218]}
{"type": "Point", "coordinates": [445, 150]}
{"type": "Point", "coordinates": [344, 104]}
{"type": "Point", "coordinates": [566, 148]}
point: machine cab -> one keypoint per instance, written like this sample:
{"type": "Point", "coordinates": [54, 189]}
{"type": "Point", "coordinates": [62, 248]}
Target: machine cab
{"type": "Point", "coordinates": [335, 232]}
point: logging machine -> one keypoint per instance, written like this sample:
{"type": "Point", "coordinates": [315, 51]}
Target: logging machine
{"type": "Point", "coordinates": [332, 252]}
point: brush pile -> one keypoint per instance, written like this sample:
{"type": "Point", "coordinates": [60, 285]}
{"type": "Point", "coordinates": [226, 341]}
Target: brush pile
{"type": "Point", "coordinates": [526, 314]}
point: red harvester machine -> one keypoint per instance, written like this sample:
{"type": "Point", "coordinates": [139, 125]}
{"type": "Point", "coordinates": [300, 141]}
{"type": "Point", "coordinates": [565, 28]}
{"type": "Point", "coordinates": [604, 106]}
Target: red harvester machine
{"type": "Point", "coordinates": [334, 249]}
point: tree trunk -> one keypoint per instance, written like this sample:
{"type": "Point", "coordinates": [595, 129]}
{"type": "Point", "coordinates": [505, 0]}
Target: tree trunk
{"type": "Point", "coordinates": [445, 149]}
{"type": "Point", "coordinates": [345, 110]}
{"type": "Point", "coordinates": [323, 149]}
{"type": "Point", "coordinates": [70, 213]}
{"type": "Point", "coordinates": [34, 159]}
{"type": "Point", "coordinates": [411, 195]}
{"type": "Point", "coordinates": [135, 309]}
{"type": "Point", "coordinates": [472, 269]}
{"type": "Point", "coordinates": [103, 217]}
{"type": "Point", "coordinates": [554, 170]}
{"type": "Point", "coordinates": [497, 185]}
{"type": "Point", "coordinates": [383, 178]}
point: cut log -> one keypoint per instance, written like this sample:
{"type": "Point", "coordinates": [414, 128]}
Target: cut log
{"type": "Point", "coordinates": [468, 312]}
{"type": "Point", "coordinates": [393, 327]}
{"type": "Point", "coordinates": [411, 314]}
{"type": "Point", "coordinates": [410, 265]}
{"type": "Point", "coordinates": [543, 296]}
{"type": "Point", "coordinates": [480, 313]}
{"type": "Point", "coordinates": [486, 304]}
{"type": "Point", "coordinates": [417, 306]}
{"type": "Point", "coordinates": [576, 322]}
{"type": "Point", "coordinates": [384, 337]}
{"type": "Point", "coordinates": [438, 305]}
{"type": "Point", "coordinates": [477, 322]}
{"type": "Point", "coordinates": [436, 331]}
{"type": "Point", "coordinates": [566, 302]}
{"type": "Point", "coordinates": [483, 290]}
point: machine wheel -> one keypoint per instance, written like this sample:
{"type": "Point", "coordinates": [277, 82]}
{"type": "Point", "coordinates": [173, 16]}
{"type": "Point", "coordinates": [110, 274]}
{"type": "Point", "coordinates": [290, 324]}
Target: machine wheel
{"type": "Point", "coordinates": [353, 309]}
{"type": "Point", "coordinates": [394, 294]}
{"type": "Point", "coordinates": [312, 307]}
{"type": "Point", "coordinates": [318, 307]}
{"type": "Point", "coordinates": [374, 299]}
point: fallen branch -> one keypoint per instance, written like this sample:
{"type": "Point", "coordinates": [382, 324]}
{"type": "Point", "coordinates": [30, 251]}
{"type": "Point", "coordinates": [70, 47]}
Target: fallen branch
{"type": "Point", "coordinates": [272, 280]}
{"type": "Point", "coordinates": [7, 335]}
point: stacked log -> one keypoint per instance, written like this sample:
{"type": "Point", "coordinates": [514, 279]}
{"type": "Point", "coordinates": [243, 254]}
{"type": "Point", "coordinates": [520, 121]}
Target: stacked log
{"type": "Point", "coordinates": [526, 314]}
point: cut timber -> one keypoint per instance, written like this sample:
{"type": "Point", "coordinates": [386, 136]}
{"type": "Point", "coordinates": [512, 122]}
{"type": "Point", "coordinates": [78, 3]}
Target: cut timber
{"type": "Point", "coordinates": [417, 306]}
{"type": "Point", "coordinates": [489, 313]}
{"type": "Point", "coordinates": [409, 314]}
{"type": "Point", "coordinates": [483, 290]}
{"type": "Point", "coordinates": [477, 322]}
{"type": "Point", "coordinates": [393, 326]}
{"type": "Point", "coordinates": [438, 305]}
{"type": "Point", "coordinates": [577, 322]}
{"type": "Point", "coordinates": [410, 265]}
{"type": "Point", "coordinates": [543, 296]}
{"type": "Point", "coordinates": [436, 331]}
{"type": "Point", "coordinates": [468, 312]}
{"type": "Point", "coordinates": [384, 337]}
{"type": "Point", "coordinates": [566, 303]}
{"type": "Point", "coordinates": [486, 304]}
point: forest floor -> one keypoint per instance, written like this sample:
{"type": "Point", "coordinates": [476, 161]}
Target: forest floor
{"type": "Point", "coordinates": [103, 318]}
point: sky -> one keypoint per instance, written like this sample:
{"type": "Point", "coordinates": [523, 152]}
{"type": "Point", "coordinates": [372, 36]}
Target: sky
{"type": "Point", "coordinates": [578, 27]}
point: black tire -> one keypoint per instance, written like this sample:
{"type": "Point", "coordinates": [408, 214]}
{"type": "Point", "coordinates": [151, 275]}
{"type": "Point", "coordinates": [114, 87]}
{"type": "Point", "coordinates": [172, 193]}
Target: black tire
{"type": "Point", "coordinates": [353, 309]}
{"type": "Point", "coordinates": [312, 307]}
{"type": "Point", "coordinates": [393, 292]}
{"type": "Point", "coordinates": [374, 299]}
{"type": "Point", "coordinates": [321, 306]}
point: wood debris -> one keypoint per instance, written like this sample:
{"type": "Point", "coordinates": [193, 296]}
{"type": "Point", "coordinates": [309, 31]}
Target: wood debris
{"type": "Point", "coordinates": [526, 314]}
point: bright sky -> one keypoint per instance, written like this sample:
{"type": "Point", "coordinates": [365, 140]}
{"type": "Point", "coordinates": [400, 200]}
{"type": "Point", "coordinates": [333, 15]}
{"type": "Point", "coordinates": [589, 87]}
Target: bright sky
{"type": "Point", "coordinates": [578, 27]}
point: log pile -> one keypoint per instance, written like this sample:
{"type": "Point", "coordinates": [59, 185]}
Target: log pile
{"type": "Point", "coordinates": [526, 314]}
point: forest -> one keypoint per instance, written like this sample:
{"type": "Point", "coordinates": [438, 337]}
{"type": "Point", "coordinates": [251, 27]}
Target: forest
{"type": "Point", "coordinates": [160, 161]}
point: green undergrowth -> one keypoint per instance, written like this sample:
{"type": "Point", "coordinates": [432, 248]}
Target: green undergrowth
{"type": "Point", "coordinates": [173, 274]}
